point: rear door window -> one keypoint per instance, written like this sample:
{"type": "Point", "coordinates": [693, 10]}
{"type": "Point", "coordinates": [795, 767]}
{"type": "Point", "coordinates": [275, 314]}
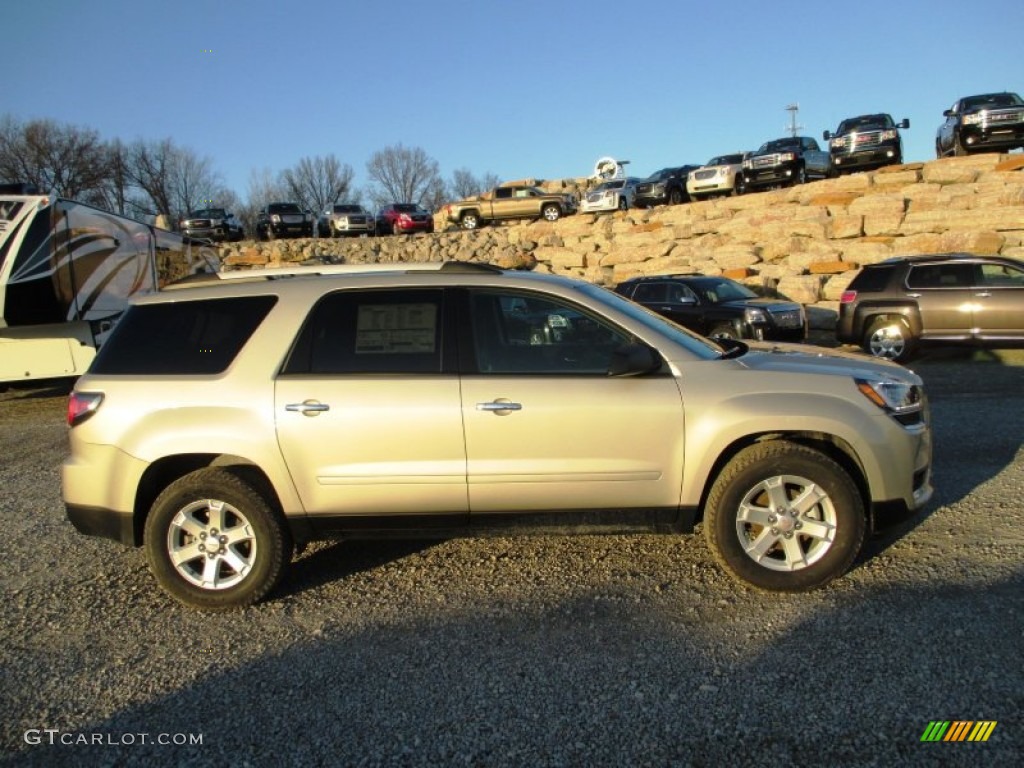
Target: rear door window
{"type": "Point", "coordinates": [385, 331]}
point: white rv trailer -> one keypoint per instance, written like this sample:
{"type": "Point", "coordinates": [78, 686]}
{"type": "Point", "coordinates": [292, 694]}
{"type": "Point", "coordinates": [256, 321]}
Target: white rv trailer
{"type": "Point", "coordinates": [67, 273]}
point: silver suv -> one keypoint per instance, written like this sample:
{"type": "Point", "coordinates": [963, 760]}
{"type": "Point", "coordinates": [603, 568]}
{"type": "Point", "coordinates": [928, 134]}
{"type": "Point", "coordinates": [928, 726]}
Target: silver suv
{"type": "Point", "coordinates": [441, 400]}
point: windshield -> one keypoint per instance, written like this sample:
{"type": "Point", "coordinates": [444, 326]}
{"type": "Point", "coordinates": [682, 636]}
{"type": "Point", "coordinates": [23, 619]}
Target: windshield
{"type": "Point", "coordinates": [347, 209]}
{"type": "Point", "coordinates": [405, 208]}
{"type": "Point", "coordinates": [718, 290]}
{"type": "Point", "coordinates": [726, 160]}
{"type": "Point", "coordinates": [780, 145]}
{"type": "Point", "coordinates": [284, 208]}
{"type": "Point", "coordinates": [697, 345]}
{"type": "Point", "coordinates": [664, 173]}
{"type": "Point", "coordinates": [865, 123]}
{"type": "Point", "coordinates": [208, 213]}
{"type": "Point", "coordinates": [993, 100]}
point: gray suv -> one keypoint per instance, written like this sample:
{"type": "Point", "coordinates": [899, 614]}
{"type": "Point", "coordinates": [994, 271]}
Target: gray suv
{"type": "Point", "coordinates": [460, 399]}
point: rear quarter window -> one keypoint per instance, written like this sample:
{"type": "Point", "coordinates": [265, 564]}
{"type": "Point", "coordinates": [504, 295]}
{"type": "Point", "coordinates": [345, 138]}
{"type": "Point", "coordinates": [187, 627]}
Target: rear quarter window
{"type": "Point", "coordinates": [186, 337]}
{"type": "Point", "coordinates": [872, 280]}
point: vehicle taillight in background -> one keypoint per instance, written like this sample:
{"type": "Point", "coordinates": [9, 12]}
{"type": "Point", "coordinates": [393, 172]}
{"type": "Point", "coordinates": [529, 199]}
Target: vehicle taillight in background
{"type": "Point", "coordinates": [82, 405]}
{"type": "Point", "coordinates": [848, 297]}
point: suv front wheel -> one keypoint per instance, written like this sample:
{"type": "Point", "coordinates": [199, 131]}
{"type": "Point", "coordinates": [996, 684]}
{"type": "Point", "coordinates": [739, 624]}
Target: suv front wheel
{"type": "Point", "coordinates": [784, 517]}
{"type": "Point", "coordinates": [213, 542]}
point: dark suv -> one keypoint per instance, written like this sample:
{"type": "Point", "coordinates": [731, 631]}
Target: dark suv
{"type": "Point", "coordinates": [992, 122]}
{"type": "Point", "coordinates": [665, 187]}
{"type": "Point", "coordinates": [283, 220]}
{"type": "Point", "coordinates": [893, 307]}
{"type": "Point", "coordinates": [866, 141]}
{"type": "Point", "coordinates": [212, 224]}
{"type": "Point", "coordinates": [718, 307]}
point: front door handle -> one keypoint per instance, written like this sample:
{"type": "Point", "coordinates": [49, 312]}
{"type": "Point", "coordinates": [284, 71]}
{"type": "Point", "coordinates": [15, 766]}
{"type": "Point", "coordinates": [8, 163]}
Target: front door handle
{"type": "Point", "coordinates": [500, 407]}
{"type": "Point", "coordinates": [308, 407]}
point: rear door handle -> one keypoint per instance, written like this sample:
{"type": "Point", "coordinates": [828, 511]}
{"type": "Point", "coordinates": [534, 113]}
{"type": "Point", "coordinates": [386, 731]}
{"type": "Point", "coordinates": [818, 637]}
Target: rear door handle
{"type": "Point", "coordinates": [308, 407]}
{"type": "Point", "coordinates": [500, 407]}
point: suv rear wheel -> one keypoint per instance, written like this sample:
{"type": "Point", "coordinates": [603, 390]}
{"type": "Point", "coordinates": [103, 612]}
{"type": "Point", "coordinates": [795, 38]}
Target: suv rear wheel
{"type": "Point", "coordinates": [784, 517]}
{"type": "Point", "coordinates": [889, 338]}
{"type": "Point", "coordinates": [213, 542]}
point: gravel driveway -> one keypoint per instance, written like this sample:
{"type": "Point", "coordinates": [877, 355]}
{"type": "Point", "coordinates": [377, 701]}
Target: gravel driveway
{"type": "Point", "coordinates": [587, 651]}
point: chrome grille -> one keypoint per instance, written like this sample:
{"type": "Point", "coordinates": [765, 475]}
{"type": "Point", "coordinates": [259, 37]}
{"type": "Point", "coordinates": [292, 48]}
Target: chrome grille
{"type": "Point", "coordinates": [765, 161]}
{"type": "Point", "coordinates": [788, 318]}
{"type": "Point", "coordinates": [701, 175]}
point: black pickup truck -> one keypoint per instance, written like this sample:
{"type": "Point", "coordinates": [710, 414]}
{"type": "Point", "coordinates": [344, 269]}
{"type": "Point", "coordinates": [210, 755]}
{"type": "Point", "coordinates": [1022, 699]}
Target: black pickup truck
{"type": "Point", "coordinates": [991, 122]}
{"type": "Point", "coordinates": [787, 161]}
{"type": "Point", "coordinates": [866, 141]}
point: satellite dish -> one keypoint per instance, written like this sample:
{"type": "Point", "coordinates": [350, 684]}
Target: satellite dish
{"type": "Point", "coordinates": [609, 168]}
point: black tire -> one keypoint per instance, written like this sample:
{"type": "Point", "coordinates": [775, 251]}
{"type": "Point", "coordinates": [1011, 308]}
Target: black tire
{"type": "Point", "coordinates": [723, 331]}
{"type": "Point", "coordinates": [623, 203]}
{"type": "Point", "coordinates": [959, 150]}
{"type": "Point", "coordinates": [216, 505]}
{"type": "Point", "coordinates": [939, 154]}
{"type": "Point", "coordinates": [470, 220]}
{"type": "Point", "coordinates": [784, 517]}
{"type": "Point", "coordinates": [801, 175]}
{"type": "Point", "coordinates": [738, 187]}
{"type": "Point", "coordinates": [675, 196]}
{"type": "Point", "coordinates": [889, 338]}
{"type": "Point", "coordinates": [551, 212]}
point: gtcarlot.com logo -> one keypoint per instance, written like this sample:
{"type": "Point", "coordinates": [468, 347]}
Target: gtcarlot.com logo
{"type": "Point", "coordinates": [958, 730]}
{"type": "Point", "coordinates": [54, 736]}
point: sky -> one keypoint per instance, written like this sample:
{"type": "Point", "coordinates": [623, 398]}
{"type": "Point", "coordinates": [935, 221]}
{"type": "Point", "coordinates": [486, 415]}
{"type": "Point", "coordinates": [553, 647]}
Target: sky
{"type": "Point", "coordinates": [516, 88]}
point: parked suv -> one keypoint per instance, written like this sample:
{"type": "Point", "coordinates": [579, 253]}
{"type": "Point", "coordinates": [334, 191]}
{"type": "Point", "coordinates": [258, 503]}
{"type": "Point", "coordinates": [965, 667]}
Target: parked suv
{"type": "Point", "coordinates": [894, 307]}
{"type": "Point", "coordinates": [718, 307]}
{"type": "Point", "coordinates": [439, 400]}
{"type": "Point", "coordinates": [403, 219]}
{"type": "Point", "coordinates": [212, 224]}
{"type": "Point", "coordinates": [866, 141]}
{"type": "Point", "coordinates": [991, 122]}
{"type": "Point", "coordinates": [721, 175]}
{"type": "Point", "coordinates": [345, 219]}
{"type": "Point", "coordinates": [283, 220]}
{"type": "Point", "coordinates": [664, 187]}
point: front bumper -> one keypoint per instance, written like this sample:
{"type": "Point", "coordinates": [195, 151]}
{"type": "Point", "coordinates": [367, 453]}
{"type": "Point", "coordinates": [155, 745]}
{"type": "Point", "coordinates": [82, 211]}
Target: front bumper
{"type": "Point", "coordinates": [992, 136]}
{"type": "Point", "coordinates": [873, 157]}
{"type": "Point", "coordinates": [769, 175]}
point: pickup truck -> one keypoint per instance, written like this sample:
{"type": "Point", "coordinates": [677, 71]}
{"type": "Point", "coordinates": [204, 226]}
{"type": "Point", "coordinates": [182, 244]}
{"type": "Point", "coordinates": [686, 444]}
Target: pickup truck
{"type": "Point", "coordinates": [787, 161]}
{"type": "Point", "coordinates": [507, 202]}
{"type": "Point", "coordinates": [866, 141]}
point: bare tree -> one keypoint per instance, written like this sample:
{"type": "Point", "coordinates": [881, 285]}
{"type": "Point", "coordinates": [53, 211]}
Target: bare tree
{"type": "Point", "coordinates": [65, 159]}
{"type": "Point", "coordinates": [403, 175]}
{"type": "Point", "coordinates": [316, 182]}
{"type": "Point", "coordinates": [465, 184]}
{"type": "Point", "coordinates": [172, 180]}
{"type": "Point", "coordinates": [265, 187]}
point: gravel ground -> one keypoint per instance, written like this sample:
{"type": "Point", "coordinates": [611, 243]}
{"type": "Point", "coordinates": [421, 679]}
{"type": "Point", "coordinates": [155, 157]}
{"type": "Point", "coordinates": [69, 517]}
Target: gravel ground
{"type": "Point", "coordinates": [536, 651]}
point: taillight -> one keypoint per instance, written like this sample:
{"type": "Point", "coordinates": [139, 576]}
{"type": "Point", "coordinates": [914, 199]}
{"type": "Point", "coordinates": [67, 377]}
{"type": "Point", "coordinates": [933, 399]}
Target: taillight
{"type": "Point", "coordinates": [82, 405]}
{"type": "Point", "coordinates": [848, 297]}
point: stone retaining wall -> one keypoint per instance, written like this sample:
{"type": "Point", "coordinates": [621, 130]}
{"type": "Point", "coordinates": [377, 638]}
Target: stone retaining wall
{"type": "Point", "coordinates": [800, 243]}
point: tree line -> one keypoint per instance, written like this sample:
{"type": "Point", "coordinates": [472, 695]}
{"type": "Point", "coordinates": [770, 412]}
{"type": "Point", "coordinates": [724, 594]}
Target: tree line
{"type": "Point", "coordinates": [144, 178]}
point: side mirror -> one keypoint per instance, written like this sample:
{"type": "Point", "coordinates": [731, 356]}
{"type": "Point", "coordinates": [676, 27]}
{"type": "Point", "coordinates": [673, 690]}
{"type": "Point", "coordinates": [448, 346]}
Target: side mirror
{"type": "Point", "coordinates": [826, 135]}
{"type": "Point", "coordinates": [633, 360]}
{"type": "Point", "coordinates": [904, 123]}
{"type": "Point", "coordinates": [948, 113]}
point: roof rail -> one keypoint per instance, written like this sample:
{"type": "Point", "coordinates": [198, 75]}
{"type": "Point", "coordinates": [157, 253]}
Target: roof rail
{"type": "Point", "coordinates": [276, 273]}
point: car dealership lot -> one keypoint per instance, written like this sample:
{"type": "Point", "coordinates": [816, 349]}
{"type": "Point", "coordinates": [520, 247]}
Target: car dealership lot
{"type": "Point", "coordinates": [532, 651]}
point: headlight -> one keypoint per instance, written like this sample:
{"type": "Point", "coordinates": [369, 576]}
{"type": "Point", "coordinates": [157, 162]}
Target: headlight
{"type": "Point", "coordinates": [839, 142]}
{"type": "Point", "coordinates": [786, 157]}
{"type": "Point", "coordinates": [755, 316]}
{"type": "Point", "coordinates": [275, 218]}
{"type": "Point", "coordinates": [888, 135]}
{"type": "Point", "coordinates": [977, 117]}
{"type": "Point", "coordinates": [898, 397]}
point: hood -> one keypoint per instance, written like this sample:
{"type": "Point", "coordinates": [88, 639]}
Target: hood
{"type": "Point", "coordinates": [761, 303]}
{"type": "Point", "coordinates": [805, 358]}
